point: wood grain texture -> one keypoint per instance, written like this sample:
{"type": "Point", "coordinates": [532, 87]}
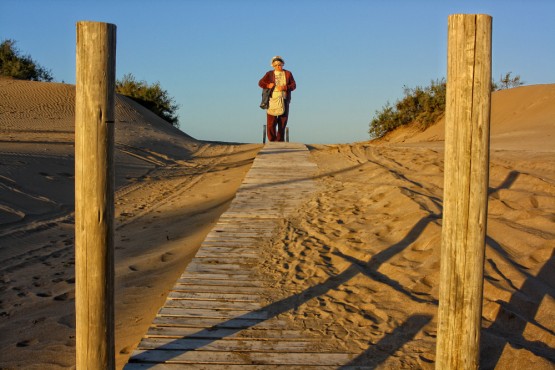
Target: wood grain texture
{"type": "Point", "coordinates": [94, 195]}
{"type": "Point", "coordinates": [465, 192]}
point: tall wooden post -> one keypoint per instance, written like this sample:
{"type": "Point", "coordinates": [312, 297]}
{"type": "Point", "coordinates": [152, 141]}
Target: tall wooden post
{"type": "Point", "coordinates": [467, 120]}
{"type": "Point", "coordinates": [94, 195]}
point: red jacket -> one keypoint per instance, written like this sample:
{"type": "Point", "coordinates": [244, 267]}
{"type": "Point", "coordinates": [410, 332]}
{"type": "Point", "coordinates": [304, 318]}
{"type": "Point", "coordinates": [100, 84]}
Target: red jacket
{"type": "Point", "coordinates": [269, 78]}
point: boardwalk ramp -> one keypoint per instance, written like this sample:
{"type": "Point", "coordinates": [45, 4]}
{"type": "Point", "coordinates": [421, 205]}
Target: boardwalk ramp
{"type": "Point", "coordinates": [214, 317]}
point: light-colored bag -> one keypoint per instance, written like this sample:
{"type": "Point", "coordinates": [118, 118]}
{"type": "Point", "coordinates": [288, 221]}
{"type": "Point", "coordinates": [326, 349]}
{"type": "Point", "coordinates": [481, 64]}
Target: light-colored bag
{"type": "Point", "coordinates": [277, 106]}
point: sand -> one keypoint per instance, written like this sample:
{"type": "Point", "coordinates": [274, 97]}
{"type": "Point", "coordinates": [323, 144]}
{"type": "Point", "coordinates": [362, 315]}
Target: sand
{"type": "Point", "coordinates": [171, 190]}
{"type": "Point", "coordinates": [363, 251]}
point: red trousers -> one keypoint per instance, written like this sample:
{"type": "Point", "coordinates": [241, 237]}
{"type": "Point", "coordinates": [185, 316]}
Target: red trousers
{"type": "Point", "coordinates": [275, 126]}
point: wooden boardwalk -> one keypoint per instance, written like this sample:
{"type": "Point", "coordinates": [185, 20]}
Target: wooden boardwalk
{"type": "Point", "coordinates": [214, 317]}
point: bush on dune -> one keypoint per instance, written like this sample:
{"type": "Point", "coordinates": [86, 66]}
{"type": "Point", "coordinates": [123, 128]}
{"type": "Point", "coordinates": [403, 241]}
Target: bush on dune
{"type": "Point", "coordinates": [423, 106]}
{"type": "Point", "coordinates": [152, 97]}
{"type": "Point", "coordinates": [23, 67]}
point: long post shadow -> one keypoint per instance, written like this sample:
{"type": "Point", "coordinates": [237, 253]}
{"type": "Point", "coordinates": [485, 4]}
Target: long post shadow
{"type": "Point", "coordinates": [231, 327]}
{"type": "Point", "coordinates": [510, 323]}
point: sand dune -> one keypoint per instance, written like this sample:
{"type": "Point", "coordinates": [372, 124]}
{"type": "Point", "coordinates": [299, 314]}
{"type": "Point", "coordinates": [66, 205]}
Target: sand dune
{"type": "Point", "coordinates": [521, 119]}
{"type": "Point", "coordinates": [363, 252]}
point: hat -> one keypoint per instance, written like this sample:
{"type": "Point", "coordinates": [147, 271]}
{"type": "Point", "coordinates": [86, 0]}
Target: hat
{"type": "Point", "coordinates": [278, 58]}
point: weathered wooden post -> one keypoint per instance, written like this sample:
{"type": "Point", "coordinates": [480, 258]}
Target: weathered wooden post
{"type": "Point", "coordinates": [467, 120]}
{"type": "Point", "coordinates": [94, 195]}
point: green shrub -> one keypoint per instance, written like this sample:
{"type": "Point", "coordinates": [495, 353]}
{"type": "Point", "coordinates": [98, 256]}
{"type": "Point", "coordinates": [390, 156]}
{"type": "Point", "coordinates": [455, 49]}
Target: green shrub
{"type": "Point", "coordinates": [22, 67]}
{"type": "Point", "coordinates": [423, 106]}
{"type": "Point", "coordinates": [152, 97]}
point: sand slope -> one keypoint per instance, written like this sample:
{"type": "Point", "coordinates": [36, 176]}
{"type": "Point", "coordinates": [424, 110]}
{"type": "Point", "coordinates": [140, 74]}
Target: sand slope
{"type": "Point", "coordinates": [521, 119]}
{"type": "Point", "coordinates": [171, 188]}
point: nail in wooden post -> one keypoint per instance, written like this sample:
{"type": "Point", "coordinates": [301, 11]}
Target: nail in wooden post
{"type": "Point", "coordinates": [94, 195]}
{"type": "Point", "coordinates": [467, 120]}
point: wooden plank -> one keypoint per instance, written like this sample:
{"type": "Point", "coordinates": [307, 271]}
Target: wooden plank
{"type": "Point", "coordinates": [258, 358]}
{"type": "Point", "coordinates": [277, 215]}
{"type": "Point", "coordinates": [229, 249]}
{"type": "Point", "coordinates": [229, 252]}
{"type": "Point", "coordinates": [195, 280]}
{"type": "Point", "coordinates": [245, 238]}
{"type": "Point", "coordinates": [237, 233]}
{"type": "Point", "coordinates": [233, 239]}
{"type": "Point", "coordinates": [215, 269]}
{"type": "Point", "coordinates": [218, 289]}
{"type": "Point", "coordinates": [196, 322]}
{"type": "Point", "coordinates": [228, 268]}
{"type": "Point", "coordinates": [237, 250]}
{"type": "Point", "coordinates": [195, 303]}
{"type": "Point", "coordinates": [215, 296]}
{"type": "Point", "coordinates": [217, 276]}
{"type": "Point", "coordinates": [215, 259]}
{"type": "Point", "coordinates": [188, 332]}
{"type": "Point", "coordinates": [240, 344]}
{"type": "Point", "coordinates": [147, 365]}
{"type": "Point", "coordinates": [231, 243]}
{"type": "Point", "coordinates": [220, 254]}
{"type": "Point", "coordinates": [216, 313]}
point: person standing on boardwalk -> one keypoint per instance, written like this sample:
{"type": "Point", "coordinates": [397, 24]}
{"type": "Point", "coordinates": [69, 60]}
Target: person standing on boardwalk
{"type": "Point", "coordinates": [281, 83]}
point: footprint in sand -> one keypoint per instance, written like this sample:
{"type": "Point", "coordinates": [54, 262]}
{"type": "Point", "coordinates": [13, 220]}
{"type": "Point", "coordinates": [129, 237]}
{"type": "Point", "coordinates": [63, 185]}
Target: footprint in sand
{"type": "Point", "coordinates": [62, 297]}
{"type": "Point", "coordinates": [27, 343]}
{"type": "Point", "coordinates": [168, 256]}
{"type": "Point", "coordinates": [534, 201]}
{"type": "Point", "coordinates": [22, 292]}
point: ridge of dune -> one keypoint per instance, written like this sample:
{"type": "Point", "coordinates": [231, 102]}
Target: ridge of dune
{"type": "Point", "coordinates": [33, 108]}
{"type": "Point", "coordinates": [522, 118]}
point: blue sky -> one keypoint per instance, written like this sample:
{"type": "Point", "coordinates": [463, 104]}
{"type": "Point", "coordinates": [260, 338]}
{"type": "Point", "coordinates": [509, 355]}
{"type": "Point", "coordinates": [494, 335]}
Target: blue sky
{"type": "Point", "coordinates": [349, 57]}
